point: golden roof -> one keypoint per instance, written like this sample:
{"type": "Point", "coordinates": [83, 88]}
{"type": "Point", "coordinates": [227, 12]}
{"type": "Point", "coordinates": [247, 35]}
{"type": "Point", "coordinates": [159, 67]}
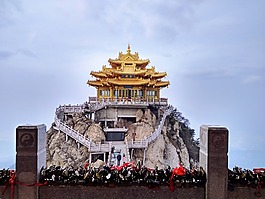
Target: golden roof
{"type": "Point", "coordinates": [159, 75]}
{"type": "Point", "coordinates": [98, 74]}
{"type": "Point", "coordinates": [132, 82]}
{"type": "Point", "coordinates": [129, 58]}
{"type": "Point", "coordinates": [128, 69]}
{"type": "Point", "coordinates": [94, 83]}
{"type": "Point", "coordinates": [162, 84]}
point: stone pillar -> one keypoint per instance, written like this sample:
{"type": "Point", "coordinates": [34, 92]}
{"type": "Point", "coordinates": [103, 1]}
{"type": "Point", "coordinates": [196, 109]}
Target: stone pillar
{"type": "Point", "coordinates": [214, 160]}
{"type": "Point", "coordinates": [30, 157]}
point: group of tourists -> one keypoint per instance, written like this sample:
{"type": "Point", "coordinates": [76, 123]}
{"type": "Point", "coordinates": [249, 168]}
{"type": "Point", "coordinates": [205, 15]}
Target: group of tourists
{"type": "Point", "coordinates": [4, 176]}
{"type": "Point", "coordinates": [125, 174]}
{"type": "Point", "coordinates": [131, 174]}
{"type": "Point", "coordinates": [245, 177]}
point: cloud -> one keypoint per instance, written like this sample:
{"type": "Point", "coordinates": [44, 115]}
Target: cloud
{"type": "Point", "coordinates": [9, 54]}
{"type": "Point", "coordinates": [26, 53]}
{"type": "Point", "coordinates": [151, 19]}
{"type": "Point", "coordinates": [251, 79]}
{"type": "Point", "coordinates": [8, 11]}
{"type": "Point", "coordinates": [6, 54]}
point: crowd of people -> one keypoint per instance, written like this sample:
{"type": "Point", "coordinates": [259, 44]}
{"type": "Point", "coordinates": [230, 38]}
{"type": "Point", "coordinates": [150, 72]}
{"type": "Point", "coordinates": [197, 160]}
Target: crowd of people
{"type": "Point", "coordinates": [4, 176]}
{"type": "Point", "coordinates": [126, 174]}
{"type": "Point", "coordinates": [245, 177]}
{"type": "Point", "coordinates": [130, 174]}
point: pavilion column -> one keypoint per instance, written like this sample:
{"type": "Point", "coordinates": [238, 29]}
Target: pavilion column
{"type": "Point", "coordinates": [90, 158]}
{"type": "Point", "coordinates": [144, 157]}
{"type": "Point", "coordinates": [104, 157]}
{"type": "Point", "coordinates": [116, 93]}
{"type": "Point", "coordinates": [111, 92]}
{"type": "Point", "coordinates": [144, 93]}
{"type": "Point", "coordinates": [158, 94]}
{"type": "Point", "coordinates": [97, 93]}
{"type": "Point", "coordinates": [105, 116]}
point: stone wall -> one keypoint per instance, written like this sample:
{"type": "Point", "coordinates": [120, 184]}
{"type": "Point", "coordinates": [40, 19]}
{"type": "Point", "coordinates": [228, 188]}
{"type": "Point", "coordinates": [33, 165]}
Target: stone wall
{"type": "Point", "coordinates": [122, 192]}
{"type": "Point", "coordinates": [129, 192]}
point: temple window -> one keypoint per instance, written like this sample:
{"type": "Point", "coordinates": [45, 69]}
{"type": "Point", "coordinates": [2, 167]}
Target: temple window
{"type": "Point", "coordinates": [140, 93]}
{"type": "Point", "coordinates": [116, 93]}
{"type": "Point", "coordinates": [127, 76]}
{"type": "Point", "coordinates": [150, 93]}
{"type": "Point", "coordinates": [104, 93]}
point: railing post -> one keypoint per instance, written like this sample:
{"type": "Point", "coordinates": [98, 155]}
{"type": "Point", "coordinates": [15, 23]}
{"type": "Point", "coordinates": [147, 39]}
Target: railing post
{"type": "Point", "coordinates": [30, 158]}
{"type": "Point", "coordinates": [214, 160]}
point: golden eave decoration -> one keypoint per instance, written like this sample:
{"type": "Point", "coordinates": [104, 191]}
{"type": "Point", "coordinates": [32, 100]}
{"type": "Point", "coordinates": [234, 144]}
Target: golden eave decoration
{"type": "Point", "coordinates": [129, 58]}
{"type": "Point", "coordinates": [128, 70]}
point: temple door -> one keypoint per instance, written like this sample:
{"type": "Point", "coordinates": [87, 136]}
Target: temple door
{"type": "Point", "coordinates": [129, 93]}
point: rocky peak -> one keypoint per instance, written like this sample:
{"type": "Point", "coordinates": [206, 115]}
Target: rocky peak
{"type": "Point", "coordinates": [169, 149]}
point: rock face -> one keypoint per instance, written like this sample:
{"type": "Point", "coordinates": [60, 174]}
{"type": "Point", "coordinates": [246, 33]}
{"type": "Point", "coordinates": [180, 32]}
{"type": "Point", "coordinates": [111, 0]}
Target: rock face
{"type": "Point", "coordinates": [64, 152]}
{"type": "Point", "coordinates": [168, 149]}
{"type": "Point", "coordinates": [162, 152]}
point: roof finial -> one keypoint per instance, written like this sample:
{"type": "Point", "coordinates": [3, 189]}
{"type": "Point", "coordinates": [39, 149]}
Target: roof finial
{"type": "Point", "coordinates": [129, 49]}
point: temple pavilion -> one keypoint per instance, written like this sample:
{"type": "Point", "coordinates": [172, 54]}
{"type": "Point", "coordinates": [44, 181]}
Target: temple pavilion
{"type": "Point", "coordinates": [128, 77]}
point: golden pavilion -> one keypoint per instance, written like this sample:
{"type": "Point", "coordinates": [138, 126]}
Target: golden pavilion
{"type": "Point", "coordinates": [128, 77]}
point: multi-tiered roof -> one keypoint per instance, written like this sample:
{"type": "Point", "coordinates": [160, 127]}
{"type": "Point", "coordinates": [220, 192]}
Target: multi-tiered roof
{"type": "Point", "coordinates": [130, 74]}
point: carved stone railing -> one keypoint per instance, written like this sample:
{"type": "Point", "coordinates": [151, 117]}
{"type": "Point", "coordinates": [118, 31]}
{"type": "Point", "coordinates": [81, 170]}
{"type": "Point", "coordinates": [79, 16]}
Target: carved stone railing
{"type": "Point", "coordinates": [70, 108]}
{"type": "Point", "coordinates": [93, 147]}
{"type": "Point", "coordinates": [126, 100]}
{"type": "Point", "coordinates": [157, 131]}
{"type": "Point", "coordinates": [137, 144]}
{"type": "Point", "coordinates": [78, 137]}
{"type": "Point", "coordinates": [147, 140]}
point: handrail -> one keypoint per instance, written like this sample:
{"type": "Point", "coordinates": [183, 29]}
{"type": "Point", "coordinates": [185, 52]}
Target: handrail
{"type": "Point", "coordinates": [147, 140]}
{"type": "Point", "coordinates": [132, 99]}
{"type": "Point", "coordinates": [93, 147]}
{"type": "Point", "coordinates": [78, 137]}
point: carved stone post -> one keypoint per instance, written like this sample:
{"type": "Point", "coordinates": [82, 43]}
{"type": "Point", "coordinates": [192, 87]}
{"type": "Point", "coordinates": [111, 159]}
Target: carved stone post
{"type": "Point", "coordinates": [214, 160]}
{"type": "Point", "coordinates": [30, 157]}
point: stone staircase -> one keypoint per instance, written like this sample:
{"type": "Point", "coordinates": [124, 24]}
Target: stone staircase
{"type": "Point", "coordinates": [147, 140]}
{"type": "Point", "coordinates": [103, 147]}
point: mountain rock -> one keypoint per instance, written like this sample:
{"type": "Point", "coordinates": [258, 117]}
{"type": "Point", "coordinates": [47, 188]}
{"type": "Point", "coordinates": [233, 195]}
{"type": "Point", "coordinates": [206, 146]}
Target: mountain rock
{"type": "Point", "coordinates": [168, 149]}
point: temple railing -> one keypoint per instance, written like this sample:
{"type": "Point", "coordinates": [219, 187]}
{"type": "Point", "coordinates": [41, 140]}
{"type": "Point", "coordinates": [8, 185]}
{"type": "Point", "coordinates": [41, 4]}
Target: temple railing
{"type": "Point", "coordinates": [147, 140]}
{"type": "Point", "coordinates": [137, 143]}
{"type": "Point", "coordinates": [78, 137]}
{"type": "Point", "coordinates": [70, 108]}
{"type": "Point", "coordinates": [82, 107]}
{"type": "Point", "coordinates": [94, 147]}
{"type": "Point", "coordinates": [132, 100]}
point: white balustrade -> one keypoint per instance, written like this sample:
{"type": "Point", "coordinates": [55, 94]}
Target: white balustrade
{"type": "Point", "coordinates": [94, 147]}
{"type": "Point", "coordinates": [75, 134]}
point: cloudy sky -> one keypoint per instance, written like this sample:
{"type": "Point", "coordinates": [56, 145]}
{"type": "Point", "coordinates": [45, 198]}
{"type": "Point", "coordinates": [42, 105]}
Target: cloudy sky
{"type": "Point", "coordinates": [213, 52]}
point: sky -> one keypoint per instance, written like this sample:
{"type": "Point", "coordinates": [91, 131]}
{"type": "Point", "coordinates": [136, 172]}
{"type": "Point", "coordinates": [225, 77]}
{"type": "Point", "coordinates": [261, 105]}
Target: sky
{"type": "Point", "coordinates": [213, 52]}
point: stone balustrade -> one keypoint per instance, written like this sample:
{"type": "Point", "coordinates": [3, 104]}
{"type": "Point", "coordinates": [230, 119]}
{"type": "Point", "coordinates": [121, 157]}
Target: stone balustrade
{"type": "Point", "coordinates": [94, 147]}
